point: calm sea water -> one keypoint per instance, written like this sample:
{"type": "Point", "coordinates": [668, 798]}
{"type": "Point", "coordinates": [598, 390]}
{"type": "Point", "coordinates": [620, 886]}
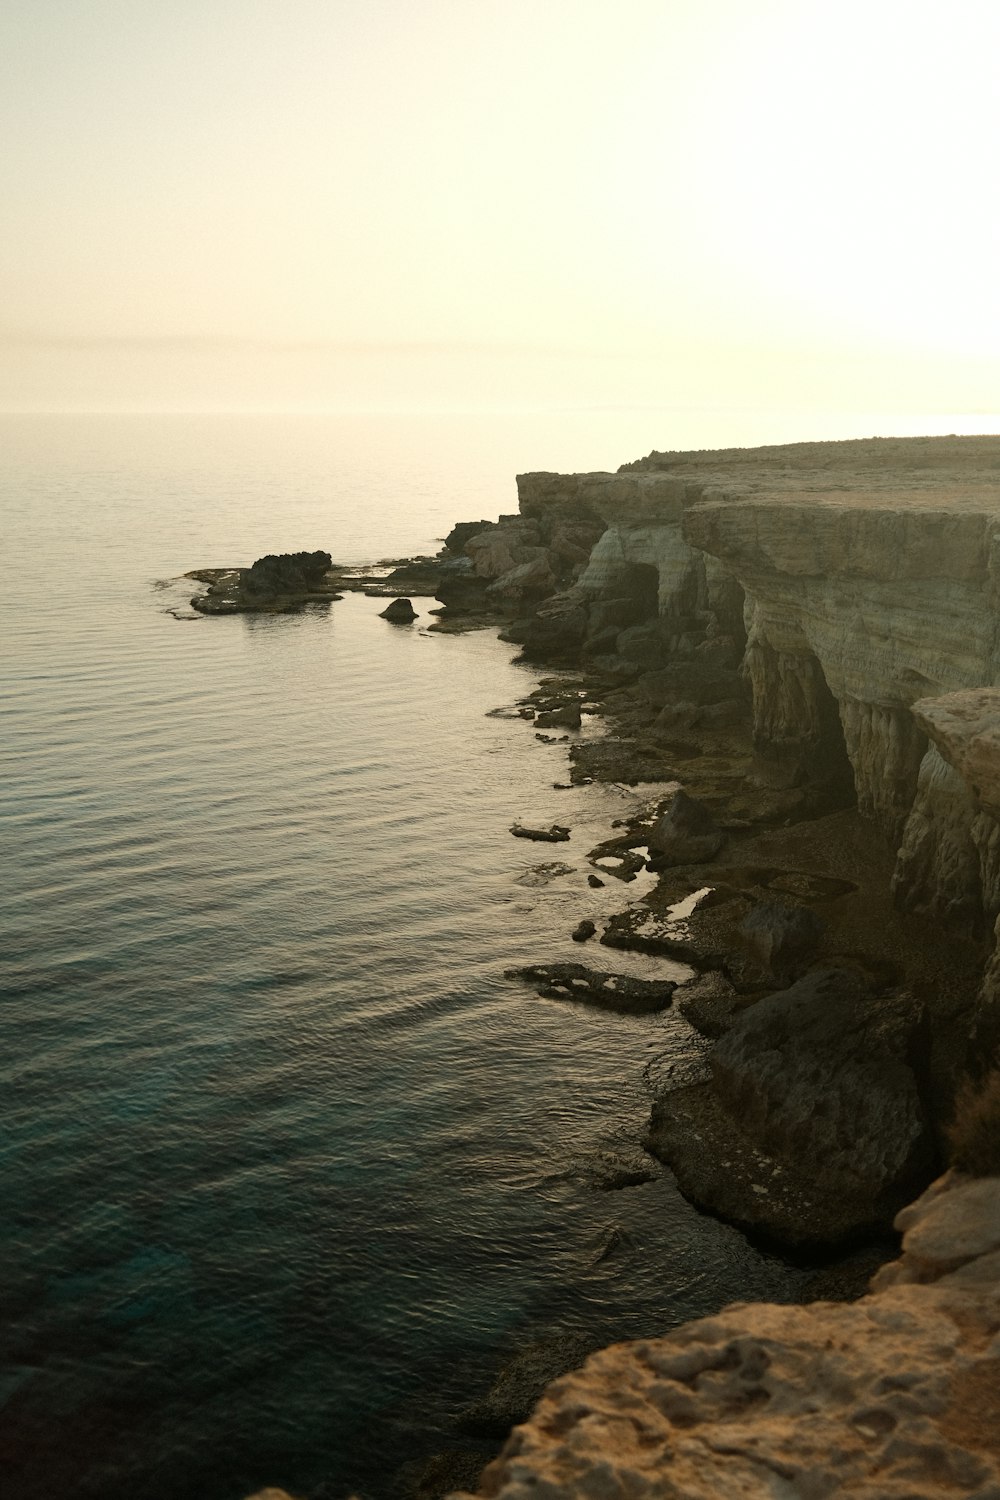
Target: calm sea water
{"type": "Point", "coordinates": [288, 1167]}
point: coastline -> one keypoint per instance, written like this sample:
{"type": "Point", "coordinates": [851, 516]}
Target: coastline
{"type": "Point", "coordinates": [787, 872]}
{"type": "Point", "coordinates": [870, 1009]}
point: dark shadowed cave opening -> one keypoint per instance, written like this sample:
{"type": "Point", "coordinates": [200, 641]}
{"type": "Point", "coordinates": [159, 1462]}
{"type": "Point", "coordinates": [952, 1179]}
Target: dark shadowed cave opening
{"type": "Point", "coordinates": [642, 582]}
{"type": "Point", "coordinates": [798, 734]}
{"type": "Point", "coordinates": [831, 765]}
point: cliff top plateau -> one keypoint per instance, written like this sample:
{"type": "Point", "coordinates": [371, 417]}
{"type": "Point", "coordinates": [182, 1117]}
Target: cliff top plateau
{"type": "Point", "coordinates": [921, 469]}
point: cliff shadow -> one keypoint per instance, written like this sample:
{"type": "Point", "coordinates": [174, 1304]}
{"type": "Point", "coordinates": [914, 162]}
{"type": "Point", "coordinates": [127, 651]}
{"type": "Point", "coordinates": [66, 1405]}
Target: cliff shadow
{"type": "Point", "coordinates": [798, 738]}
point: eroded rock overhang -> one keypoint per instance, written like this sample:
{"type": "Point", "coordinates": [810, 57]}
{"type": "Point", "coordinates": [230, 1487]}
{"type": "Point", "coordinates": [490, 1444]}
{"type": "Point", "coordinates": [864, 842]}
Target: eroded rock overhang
{"type": "Point", "coordinates": [866, 574]}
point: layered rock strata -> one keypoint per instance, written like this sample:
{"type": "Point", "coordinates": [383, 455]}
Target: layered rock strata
{"type": "Point", "coordinates": [850, 590]}
{"type": "Point", "coordinates": [848, 582]}
{"type": "Point", "coordinates": [896, 1394]}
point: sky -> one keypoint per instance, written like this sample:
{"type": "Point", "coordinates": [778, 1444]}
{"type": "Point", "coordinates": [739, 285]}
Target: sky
{"type": "Point", "coordinates": [340, 204]}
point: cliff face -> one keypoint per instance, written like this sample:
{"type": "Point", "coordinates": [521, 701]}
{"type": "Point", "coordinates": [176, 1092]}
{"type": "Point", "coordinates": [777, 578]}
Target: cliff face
{"type": "Point", "coordinates": [855, 588]}
{"type": "Point", "coordinates": [897, 1394]}
{"type": "Point", "coordinates": [885, 598]}
{"type": "Point", "coordinates": [852, 581]}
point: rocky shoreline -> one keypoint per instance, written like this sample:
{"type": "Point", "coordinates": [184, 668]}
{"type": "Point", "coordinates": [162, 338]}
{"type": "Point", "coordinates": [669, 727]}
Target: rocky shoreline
{"type": "Point", "coordinates": [805, 641]}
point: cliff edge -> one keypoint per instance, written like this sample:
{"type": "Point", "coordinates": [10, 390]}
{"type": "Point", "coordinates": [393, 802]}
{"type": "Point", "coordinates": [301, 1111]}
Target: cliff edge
{"type": "Point", "coordinates": [896, 1394]}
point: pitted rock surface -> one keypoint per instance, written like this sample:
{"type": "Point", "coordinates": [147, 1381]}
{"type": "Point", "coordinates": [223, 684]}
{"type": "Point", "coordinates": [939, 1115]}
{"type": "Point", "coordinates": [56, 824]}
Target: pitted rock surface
{"type": "Point", "coordinates": [896, 1395]}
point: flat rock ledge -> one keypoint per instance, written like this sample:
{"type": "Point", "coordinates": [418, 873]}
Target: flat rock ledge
{"type": "Point", "coordinates": [897, 1394]}
{"type": "Point", "coordinates": [619, 992]}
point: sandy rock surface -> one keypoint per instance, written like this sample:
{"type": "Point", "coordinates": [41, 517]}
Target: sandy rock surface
{"type": "Point", "coordinates": [895, 1395]}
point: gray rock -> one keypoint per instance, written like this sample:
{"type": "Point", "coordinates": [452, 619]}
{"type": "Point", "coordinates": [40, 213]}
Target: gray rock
{"type": "Point", "coordinates": [821, 1072]}
{"type": "Point", "coordinates": [618, 992]}
{"type": "Point", "coordinates": [642, 644]}
{"type": "Point", "coordinates": [710, 1004]}
{"type": "Point", "coordinates": [780, 936]}
{"type": "Point", "coordinates": [811, 1130]}
{"type": "Point", "coordinates": [461, 532]}
{"type": "Point", "coordinates": [556, 834]}
{"type": "Point", "coordinates": [400, 612]}
{"type": "Point", "coordinates": [693, 681]}
{"type": "Point", "coordinates": [677, 719]}
{"type": "Point", "coordinates": [556, 631]}
{"type": "Point", "coordinates": [567, 717]}
{"type": "Point", "coordinates": [583, 931]}
{"type": "Point", "coordinates": [686, 834]}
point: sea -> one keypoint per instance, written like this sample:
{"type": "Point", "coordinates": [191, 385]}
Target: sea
{"type": "Point", "coordinates": [288, 1168]}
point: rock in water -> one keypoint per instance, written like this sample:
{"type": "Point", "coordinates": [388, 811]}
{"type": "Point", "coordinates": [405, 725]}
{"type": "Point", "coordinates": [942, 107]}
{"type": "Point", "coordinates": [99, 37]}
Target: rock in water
{"type": "Point", "coordinates": [583, 931]}
{"type": "Point", "coordinates": [567, 717]}
{"type": "Point", "coordinates": [557, 834]}
{"type": "Point", "coordinates": [274, 583]}
{"type": "Point", "coordinates": [619, 992]}
{"type": "Point", "coordinates": [400, 612]}
{"type": "Point", "coordinates": [822, 1071]}
{"type": "Point", "coordinates": [285, 573]}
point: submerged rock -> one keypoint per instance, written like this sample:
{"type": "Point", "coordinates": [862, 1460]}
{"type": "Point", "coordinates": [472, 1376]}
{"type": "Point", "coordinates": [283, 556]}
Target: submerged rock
{"type": "Point", "coordinates": [521, 1382]}
{"type": "Point", "coordinates": [556, 834]}
{"type": "Point", "coordinates": [619, 992]}
{"type": "Point", "coordinates": [540, 875]}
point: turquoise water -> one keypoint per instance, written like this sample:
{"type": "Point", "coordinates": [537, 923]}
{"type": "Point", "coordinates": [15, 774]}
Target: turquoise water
{"type": "Point", "coordinates": [287, 1166]}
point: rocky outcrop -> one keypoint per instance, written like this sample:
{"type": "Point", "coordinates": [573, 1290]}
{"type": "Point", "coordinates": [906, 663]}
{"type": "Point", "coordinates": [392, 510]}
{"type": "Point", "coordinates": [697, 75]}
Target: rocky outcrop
{"type": "Point", "coordinates": [847, 581]}
{"type": "Point", "coordinates": [618, 992]}
{"type": "Point", "coordinates": [686, 834]}
{"type": "Point", "coordinates": [399, 612]}
{"type": "Point", "coordinates": [811, 1129]}
{"type": "Point", "coordinates": [949, 860]}
{"type": "Point", "coordinates": [509, 567]}
{"type": "Point", "coordinates": [779, 937]}
{"type": "Point", "coordinates": [273, 584]}
{"type": "Point", "coordinates": [896, 1394]}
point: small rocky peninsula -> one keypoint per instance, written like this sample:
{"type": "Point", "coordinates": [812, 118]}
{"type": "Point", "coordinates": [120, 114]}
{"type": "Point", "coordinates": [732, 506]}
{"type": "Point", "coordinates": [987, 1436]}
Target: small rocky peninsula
{"type": "Point", "coordinates": [805, 641]}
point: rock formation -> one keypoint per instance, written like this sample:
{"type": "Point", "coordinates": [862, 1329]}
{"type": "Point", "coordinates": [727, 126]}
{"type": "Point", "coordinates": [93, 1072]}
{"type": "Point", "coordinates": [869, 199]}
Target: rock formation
{"type": "Point", "coordinates": [799, 631]}
{"type": "Point", "coordinates": [273, 584]}
{"type": "Point", "coordinates": [849, 584]}
{"type": "Point", "coordinates": [619, 992]}
{"type": "Point", "coordinates": [507, 568]}
{"type": "Point", "coordinates": [811, 1129]}
{"type": "Point", "coordinates": [897, 1394]}
{"type": "Point", "coordinates": [399, 612]}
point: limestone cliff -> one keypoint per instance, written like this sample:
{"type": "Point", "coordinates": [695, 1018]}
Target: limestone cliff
{"type": "Point", "coordinates": [897, 1394]}
{"type": "Point", "coordinates": [851, 580]}
{"type": "Point", "coordinates": [855, 589]}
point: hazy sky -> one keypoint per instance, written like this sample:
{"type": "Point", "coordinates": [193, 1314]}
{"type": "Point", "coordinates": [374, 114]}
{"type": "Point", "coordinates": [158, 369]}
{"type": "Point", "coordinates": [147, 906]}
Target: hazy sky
{"type": "Point", "coordinates": [327, 202]}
